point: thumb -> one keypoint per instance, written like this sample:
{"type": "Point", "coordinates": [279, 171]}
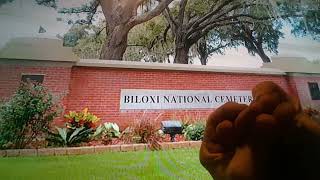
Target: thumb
{"type": "Point", "coordinates": [242, 164]}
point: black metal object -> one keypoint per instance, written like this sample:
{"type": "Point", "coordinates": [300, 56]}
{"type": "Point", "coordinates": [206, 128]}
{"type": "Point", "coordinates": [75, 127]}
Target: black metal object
{"type": "Point", "coordinates": [172, 128]}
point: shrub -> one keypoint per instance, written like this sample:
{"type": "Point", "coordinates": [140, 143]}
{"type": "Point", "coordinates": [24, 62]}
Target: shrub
{"type": "Point", "coordinates": [83, 118]}
{"type": "Point", "coordinates": [106, 132]}
{"type": "Point", "coordinates": [144, 130]}
{"type": "Point", "coordinates": [79, 128]}
{"type": "Point", "coordinates": [26, 115]}
{"type": "Point", "coordinates": [69, 137]}
{"type": "Point", "coordinates": [194, 131]}
{"type": "Point", "coordinates": [191, 119]}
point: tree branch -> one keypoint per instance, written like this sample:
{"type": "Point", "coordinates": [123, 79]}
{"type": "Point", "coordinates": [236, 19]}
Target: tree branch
{"type": "Point", "coordinates": [222, 4]}
{"type": "Point", "coordinates": [198, 34]}
{"type": "Point", "coordinates": [151, 14]}
{"type": "Point", "coordinates": [90, 9]}
{"type": "Point", "coordinates": [167, 14]}
{"type": "Point", "coordinates": [182, 9]}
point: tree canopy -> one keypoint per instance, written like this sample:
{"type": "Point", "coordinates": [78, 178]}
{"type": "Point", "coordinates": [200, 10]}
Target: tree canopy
{"type": "Point", "coordinates": [203, 26]}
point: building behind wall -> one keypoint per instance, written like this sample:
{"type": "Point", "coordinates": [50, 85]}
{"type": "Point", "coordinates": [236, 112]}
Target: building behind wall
{"type": "Point", "coordinates": [97, 84]}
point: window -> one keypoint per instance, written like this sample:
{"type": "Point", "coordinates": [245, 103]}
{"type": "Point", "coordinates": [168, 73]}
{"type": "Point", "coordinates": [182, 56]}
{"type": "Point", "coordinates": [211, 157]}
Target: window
{"type": "Point", "coordinates": [314, 90]}
{"type": "Point", "coordinates": [32, 77]}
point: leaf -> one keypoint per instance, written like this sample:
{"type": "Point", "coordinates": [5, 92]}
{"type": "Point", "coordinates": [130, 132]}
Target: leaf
{"type": "Point", "coordinates": [75, 133]}
{"type": "Point", "coordinates": [63, 134]}
{"type": "Point", "coordinates": [115, 127]}
{"type": "Point", "coordinates": [98, 131]}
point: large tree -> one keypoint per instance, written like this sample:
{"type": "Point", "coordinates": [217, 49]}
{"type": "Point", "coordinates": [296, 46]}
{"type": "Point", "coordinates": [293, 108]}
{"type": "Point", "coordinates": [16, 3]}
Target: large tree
{"type": "Point", "coordinates": [192, 20]}
{"type": "Point", "coordinates": [258, 37]}
{"type": "Point", "coordinates": [214, 43]}
{"type": "Point", "coordinates": [308, 24]}
{"type": "Point", "coordinates": [120, 17]}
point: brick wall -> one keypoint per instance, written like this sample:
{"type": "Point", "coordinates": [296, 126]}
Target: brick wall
{"type": "Point", "coordinates": [57, 79]}
{"type": "Point", "coordinates": [99, 89]}
{"type": "Point", "coordinates": [301, 83]}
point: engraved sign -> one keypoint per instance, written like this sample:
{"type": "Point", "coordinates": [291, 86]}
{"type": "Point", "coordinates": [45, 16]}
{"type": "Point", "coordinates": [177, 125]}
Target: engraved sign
{"type": "Point", "coordinates": [145, 99]}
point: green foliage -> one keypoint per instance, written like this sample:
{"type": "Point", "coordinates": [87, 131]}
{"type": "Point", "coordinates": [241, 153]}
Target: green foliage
{"type": "Point", "coordinates": [106, 132]}
{"type": "Point", "coordinates": [89, 44]}
{"type": "Point", "coordinates": [79, 128]}
{"type": "Point", "coordinates": [80, 119]}
{"type": "Point", "coordinates": [194, 131]}
{"type": "Point", "coordinates": [308, 25]}
{"type": "Point", "coordinates": [5, 1]}
{"type": "Point", "coordinates": [151, 41]}
{"type": "Point", "coordinates": [27, 114]}
{"type": "Point", "coordinates": [69, 137]}
{"type": "Point", "coordinates": [75, 33]}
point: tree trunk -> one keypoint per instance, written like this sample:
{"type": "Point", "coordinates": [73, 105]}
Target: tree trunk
{"type": "Point", "coordinates": [202, 50]}
{"type": "Point", "coordinates": [203, 59]}
{"type": "Point", "coordinates": [262, 54]}
{"type": "Point", "coordinates": [116, 43]}
{"type": "Point", "coordinates": [181, 56]}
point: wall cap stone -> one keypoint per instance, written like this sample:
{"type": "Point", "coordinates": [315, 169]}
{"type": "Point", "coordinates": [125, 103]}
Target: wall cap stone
{"type": "Point", "coordinates": [175, 67]}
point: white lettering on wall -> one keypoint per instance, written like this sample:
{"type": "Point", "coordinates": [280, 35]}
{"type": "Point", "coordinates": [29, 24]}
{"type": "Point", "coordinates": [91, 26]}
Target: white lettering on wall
{"type": "Point", "coordinates": [143, 99]}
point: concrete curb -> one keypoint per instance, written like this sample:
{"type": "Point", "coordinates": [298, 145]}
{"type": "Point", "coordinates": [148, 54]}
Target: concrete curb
{"type": "Point", "coordinates": [95, 149]}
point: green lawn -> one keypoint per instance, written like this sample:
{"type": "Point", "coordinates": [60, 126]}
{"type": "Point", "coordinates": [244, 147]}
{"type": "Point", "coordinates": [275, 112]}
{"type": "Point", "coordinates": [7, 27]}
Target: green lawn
{"type": "Point", "coordinates": [170, 164]}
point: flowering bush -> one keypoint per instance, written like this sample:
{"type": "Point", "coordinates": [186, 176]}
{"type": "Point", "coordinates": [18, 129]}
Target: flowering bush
{"type": "Point", "coordinates": [79, 128]}
{"type": "Point", "coordinates": [81, 119]}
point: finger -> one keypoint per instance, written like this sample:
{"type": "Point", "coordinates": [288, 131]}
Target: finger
{"type": "Point", "coordinates": [225, 133]}
{"type": "Point", "coordinates": [228, 111]}
{"type": "Point", "coordinates": [269, 102]}
{"type": "Point", "coordinates": [244, 122]}
{"type": "Point", "coordinates": [214, 162]}
{"type": "Point", "coordinates": [241, 165]}
{"type": "Point", "coordinates": [285, 113]}
{"type": "Point", "coordinates": [266, 129]}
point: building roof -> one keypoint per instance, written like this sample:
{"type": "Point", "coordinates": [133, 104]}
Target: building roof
{"type": "Point", "coordinates": [293, 65]}
{"type": "Point", "coordinates": [29, 48]}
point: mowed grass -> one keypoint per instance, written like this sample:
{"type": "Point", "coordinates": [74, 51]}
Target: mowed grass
{"type": "Point", "coordinates": [169, 164]}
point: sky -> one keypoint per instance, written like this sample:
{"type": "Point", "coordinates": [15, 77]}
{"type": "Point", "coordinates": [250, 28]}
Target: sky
{"type": "Point", "coordinates": [22, 18]}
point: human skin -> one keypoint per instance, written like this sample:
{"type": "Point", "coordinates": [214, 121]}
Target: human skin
{"type": "Point", "coordinates": [269, 139]}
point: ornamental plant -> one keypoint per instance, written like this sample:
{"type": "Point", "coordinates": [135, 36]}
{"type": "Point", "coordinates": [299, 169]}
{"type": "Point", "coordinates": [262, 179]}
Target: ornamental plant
{"type": "Point", "coordinates": [79, 128]}
{"type": "Point", "coordinates": [194, 131]}
{"type": "Point", "coordinates": [26, 115]}
{"type": "Point", "coordinates": [106, 132]}
{"type": "Point", "coordinates": [145, 129]}
{"type": "Point", "coordinates": [81, 119]}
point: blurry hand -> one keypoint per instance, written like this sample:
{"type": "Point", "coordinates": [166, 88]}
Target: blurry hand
{"type": "Point", "coordinates": [269, 139]}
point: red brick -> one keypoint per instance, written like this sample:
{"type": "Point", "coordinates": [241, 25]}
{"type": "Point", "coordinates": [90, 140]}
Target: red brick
{"type": "Point", "coordinates": [99, 88]}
